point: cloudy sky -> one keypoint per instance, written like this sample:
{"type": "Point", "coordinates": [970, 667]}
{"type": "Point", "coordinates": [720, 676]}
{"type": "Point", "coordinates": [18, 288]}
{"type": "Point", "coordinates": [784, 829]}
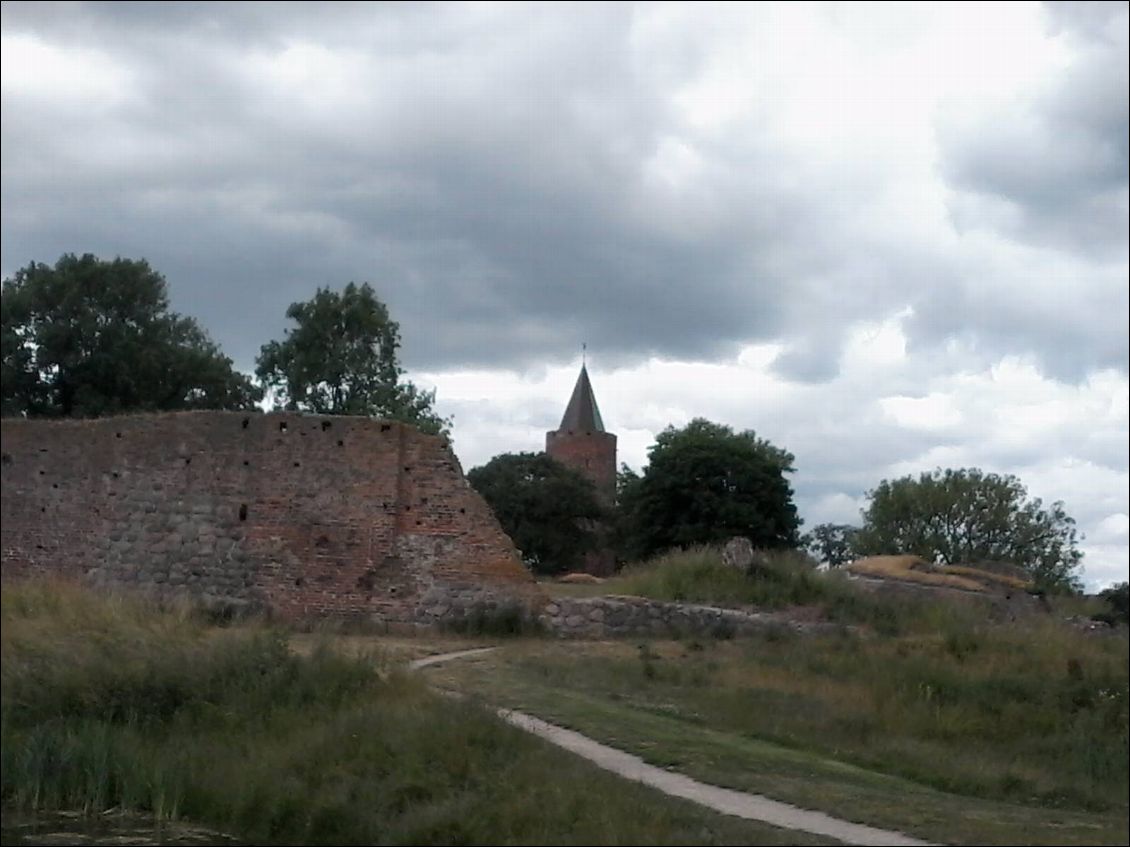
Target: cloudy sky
{"type": "Point", "coordinates": [889, 238]}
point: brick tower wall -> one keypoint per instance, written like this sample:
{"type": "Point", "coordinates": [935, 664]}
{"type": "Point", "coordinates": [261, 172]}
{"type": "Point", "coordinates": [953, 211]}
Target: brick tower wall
{"type": "Point", "coordinates": [301, 515]}
{"type": "Point", "coordinates": [593, 454]}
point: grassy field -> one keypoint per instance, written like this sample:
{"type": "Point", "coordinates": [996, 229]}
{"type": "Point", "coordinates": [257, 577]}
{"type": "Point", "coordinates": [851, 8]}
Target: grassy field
{"type": "Point", "coordinates": [983, 732]}
{"type": "Point", "coordinates": [109, 705]}
{"type": "Point", "coordinates": [926, 718]}
{"type": "Point", "coordinates": [906, 735]}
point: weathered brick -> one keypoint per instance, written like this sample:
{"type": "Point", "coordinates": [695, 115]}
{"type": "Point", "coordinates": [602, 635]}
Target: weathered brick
{"type": "Point", "coordinates": [361, 518]}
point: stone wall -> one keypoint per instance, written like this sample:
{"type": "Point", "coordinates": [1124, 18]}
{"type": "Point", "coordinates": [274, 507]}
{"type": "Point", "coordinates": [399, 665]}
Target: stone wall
{"type": "Point", "coordinates": [611, 617]}
{"type": "Point", "coordinates": [304, 516]}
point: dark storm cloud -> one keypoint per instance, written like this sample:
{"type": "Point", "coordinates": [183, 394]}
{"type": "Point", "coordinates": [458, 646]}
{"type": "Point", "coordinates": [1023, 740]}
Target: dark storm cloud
{"type": "Point", "coordinates": [492, 171]}
{"type": "Point", "coordinates": [483, 191]}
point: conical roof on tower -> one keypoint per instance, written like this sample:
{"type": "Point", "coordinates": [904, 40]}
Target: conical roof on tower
{"type": "Point", "coordinates": [582, 413]}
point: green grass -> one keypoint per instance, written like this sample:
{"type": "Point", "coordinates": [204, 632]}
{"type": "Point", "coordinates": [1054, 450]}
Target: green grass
{"type": "Point", "coordinates": [785, 579]}
{"type": "Point", "coordinates": [1001, 735]}
{"type": "Point", "coordinates": [108, 704]}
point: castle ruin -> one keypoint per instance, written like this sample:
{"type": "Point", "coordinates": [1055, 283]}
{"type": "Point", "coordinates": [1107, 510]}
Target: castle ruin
{"type": "Point", "coordinates": [301, 516]}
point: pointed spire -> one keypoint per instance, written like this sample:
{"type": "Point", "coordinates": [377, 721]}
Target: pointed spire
{"type": "Point", "coordinates": [582, 413]}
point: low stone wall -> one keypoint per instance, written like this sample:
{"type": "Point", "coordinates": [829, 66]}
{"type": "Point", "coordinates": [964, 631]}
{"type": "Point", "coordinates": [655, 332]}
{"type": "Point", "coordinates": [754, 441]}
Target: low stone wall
{"type": "Point", "coordinates": [618, 616]}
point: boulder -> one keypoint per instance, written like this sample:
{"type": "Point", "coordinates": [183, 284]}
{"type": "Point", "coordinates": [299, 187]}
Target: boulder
{"type": "Point", "coordinates": [738, 553]}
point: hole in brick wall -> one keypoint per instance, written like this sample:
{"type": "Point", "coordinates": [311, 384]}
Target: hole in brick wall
{"type": "Point", "coordinates": [423, 501]}
{"type": "Point", "coordinates": [418, 522]}
{"type": "Point", "coordinates": [6, 458]}
{"type": "Point", "coordinates": [340, 443]}
{"type": "Point", "coordinates": [117, 435]}
{"type": "Point", "coordinates": [246, 463]}
{"type": "Point", "coordinates": [326, 425]}
{"type": "Point", "coordinates": [392, 589]}
{"type": "Point", "coordinates": [246, 423]}
{"type": "Point", "coordinates": [115, 474]}
{"type": "Point", "coordinates": [323, 541]}
{"type": "Point", "coordinates": [408, 469]}
{"type": "Point", "coordinates": [43, 508]}
{"type": "Point", "coordinates": [54, 485]}
{"type": "Point", "coordinates": [386, 427]}
{"type": "Point", "coordinates": [462, 511]}
{"type": "Point", "coordinates": [243, 511]}
{"type": "Point", "coordinates": [298, 583]}
{"type": "Point", "coordinates": [188, 460]}
{"type": "Point", "coordinates": [297, 464]}
{"type": "Point", "coordinates": [384, 506]}
{"type": "Point", "coordinates": [407, 507]}
{"type": "Point", "coordinates": [282, 426]}
{"type": "Point", "coordinates": [41, 473]}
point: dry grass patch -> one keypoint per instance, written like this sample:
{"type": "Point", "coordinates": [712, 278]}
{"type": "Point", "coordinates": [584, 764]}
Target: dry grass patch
{"type": "Point", "coordinates": [918, 570]}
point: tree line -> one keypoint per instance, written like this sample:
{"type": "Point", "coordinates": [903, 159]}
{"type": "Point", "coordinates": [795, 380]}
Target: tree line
{"type": "Point", "coordinates": [88, 337]}
{"type": "Point", "coordinates": [705, 483]}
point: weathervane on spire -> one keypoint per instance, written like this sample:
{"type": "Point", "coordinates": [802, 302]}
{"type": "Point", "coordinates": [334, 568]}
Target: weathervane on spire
{"type": "Point", "coordinates": [584, 351]}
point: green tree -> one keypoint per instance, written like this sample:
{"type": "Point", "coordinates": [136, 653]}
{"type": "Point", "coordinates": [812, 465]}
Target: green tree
{"type": "Point", "coordinates": [1117, 598]}
{"type": "Point", "coordinates": [968, 517]}
{"type": "Point", "coordinates": [90, 337]}
{"type": "Point", "coordinates": [548, 509]}
{"type": "Point", "coordinates": [341, 359]}
{"type": "Point", "coordinates": [831, 542]}
{"type": "Point", "coordinates": [705, 483]}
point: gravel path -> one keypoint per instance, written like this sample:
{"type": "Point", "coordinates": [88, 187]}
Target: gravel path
{"type": "Point", "coordinates": [725, 800]}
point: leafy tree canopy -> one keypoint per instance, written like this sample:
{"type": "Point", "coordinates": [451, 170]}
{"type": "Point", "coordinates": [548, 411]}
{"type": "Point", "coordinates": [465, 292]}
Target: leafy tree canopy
{"type": "Point", "coordinates": [548, 509]}
{"type": "Point", "coordinates": [90, 337]}
{"type": "Point", "coordinates": [833, 543]}
{"type": "Point", "coordinates": [1118, 603]}
{"type": "Point", "coordinates": [968, 517]}
{"type": "Point", "coordinates": [705, 483]}
{"type": "Point", "coordinates": [341, 359]}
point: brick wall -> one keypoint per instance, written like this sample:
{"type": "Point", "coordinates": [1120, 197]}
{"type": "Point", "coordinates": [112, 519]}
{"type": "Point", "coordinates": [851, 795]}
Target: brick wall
{"type": "Point", "coordinates": [593, 454]}
{"type": "Point", "coordinates": [303, 515]}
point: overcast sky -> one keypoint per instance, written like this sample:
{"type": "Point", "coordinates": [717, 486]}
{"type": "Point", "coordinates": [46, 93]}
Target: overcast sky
{"type": "Point", "coordinates": [889, 238]}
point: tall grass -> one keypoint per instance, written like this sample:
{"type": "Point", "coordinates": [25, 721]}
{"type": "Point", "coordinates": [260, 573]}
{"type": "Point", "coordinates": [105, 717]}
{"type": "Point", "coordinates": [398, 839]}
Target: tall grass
{"type": "Point", "coordinates": [106, 703]}
{"type": "Point", "coordinates": [783, 579]}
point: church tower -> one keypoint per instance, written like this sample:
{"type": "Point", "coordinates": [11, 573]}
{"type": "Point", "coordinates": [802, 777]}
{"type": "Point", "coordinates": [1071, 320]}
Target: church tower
{"type": "Point", "coordinates": [581, 442]}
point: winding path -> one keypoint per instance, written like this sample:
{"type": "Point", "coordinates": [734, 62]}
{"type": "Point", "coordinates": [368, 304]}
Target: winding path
{"type": "Point", "coordinates": [725, 800]}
